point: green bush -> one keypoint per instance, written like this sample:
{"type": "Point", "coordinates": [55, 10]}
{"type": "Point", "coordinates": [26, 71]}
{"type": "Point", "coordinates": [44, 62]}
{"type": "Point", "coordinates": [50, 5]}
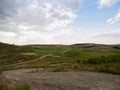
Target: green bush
{"type": "Point", "coordinates": [112, 70]}
{"type": "Point", "coordinates": [103, 60]}
{"type": "Point", "coordinates": [72, 54]}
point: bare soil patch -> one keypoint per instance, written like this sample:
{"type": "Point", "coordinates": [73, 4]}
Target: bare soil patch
{"type": "Point", "coordinates": [38, 79]}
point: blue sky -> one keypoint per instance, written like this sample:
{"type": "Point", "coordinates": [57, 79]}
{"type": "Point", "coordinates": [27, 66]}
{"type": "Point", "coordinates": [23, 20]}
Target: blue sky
{"type": "Point", "coordinates": [90, 14]}
{"type": "Point", "coordinates": [60, 21]}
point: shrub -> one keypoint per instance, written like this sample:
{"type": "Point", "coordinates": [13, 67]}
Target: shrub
{"type": "Point", "coordinates": [72, 54]}
{"type": "Point", "coordinates": [102, 60]}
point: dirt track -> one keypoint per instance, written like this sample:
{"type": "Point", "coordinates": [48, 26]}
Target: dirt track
{"type": "Point", "coordinates": [43, 80]}
{"type": "Point", "coordinates": [29, 61]}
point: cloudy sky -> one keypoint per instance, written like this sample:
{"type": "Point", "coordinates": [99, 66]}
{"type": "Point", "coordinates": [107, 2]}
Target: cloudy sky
{"type": "Point", "coordinates": [59, 21]}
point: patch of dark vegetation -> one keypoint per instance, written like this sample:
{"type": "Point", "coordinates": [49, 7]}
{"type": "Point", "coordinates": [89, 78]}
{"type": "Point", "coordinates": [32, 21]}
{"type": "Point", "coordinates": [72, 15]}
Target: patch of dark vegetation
{"type": "Point", "coordinates": [103, 60]}
{"type": "Point", "coordinates": [116, 47]}
{"type": "Point", "coordinates": [72, 54]}
{"type": "Point", "coordinates": [86, 45]}
{"type": "Point", "coordinates": [106, 64]}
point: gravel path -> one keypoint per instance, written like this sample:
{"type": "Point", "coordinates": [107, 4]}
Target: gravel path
{"type": "Point", "coordinates": [39, 79]}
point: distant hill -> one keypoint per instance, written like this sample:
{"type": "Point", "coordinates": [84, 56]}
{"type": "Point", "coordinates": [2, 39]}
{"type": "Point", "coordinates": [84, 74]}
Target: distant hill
{"type": "Point", "coordinates": [88, 45]}
{"type": "Point", "coordinates": [86, 57]}
{"type": "Point", "coordinates": [4, 47]}
{"type": "Point", "coordinates": [11, 48]}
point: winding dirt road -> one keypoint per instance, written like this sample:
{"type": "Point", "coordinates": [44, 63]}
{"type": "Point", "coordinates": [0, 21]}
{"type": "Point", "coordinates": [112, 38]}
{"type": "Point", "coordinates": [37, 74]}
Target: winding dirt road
{"type": "Point", "coordinates": [42, 57]}
{"type": "Point", "coordinates": [38, 79]}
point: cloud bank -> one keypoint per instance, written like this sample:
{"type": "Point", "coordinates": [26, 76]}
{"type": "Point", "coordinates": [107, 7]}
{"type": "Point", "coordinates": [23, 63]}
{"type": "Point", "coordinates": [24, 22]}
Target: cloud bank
{"type": "Point", "coordinates": [25, 18]}
{"type": "Point", "coordinates": [36, 13]}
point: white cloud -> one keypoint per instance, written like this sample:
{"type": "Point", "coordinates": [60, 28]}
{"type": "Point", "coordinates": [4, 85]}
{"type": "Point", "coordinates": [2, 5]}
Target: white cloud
{"type": "Point", "coordinates": [62, 36]}
{"type": "Point", "coordinates": [72, 4]}
{"type": "Point", "coordinates": [38, 13]}
{"type": "Point", "coordinates": [44, 15]}
{"type": "Point", "coordinates": [106, 37]}
{"type": "Point", "coordinates": [115, 19]}
{"type": "Point", "coordinates": [108, 34]}
{"type": "Point", "coordinates": [32, 21]}
{"type": "Point", "coordinates": [8, 37]}
{"type": "Point", "coordinates": [106, 3]}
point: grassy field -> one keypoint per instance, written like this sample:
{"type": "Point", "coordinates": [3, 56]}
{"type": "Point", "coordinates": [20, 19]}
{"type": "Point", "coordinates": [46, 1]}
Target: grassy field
{"type": "Point", "coordinates": [77, 57]}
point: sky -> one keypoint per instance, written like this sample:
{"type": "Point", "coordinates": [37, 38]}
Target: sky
{"type": "Point", "coordinates": [59, 21]}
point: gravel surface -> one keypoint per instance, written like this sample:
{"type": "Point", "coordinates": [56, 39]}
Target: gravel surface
{"type": "Point", "coordinates": [39, 79]}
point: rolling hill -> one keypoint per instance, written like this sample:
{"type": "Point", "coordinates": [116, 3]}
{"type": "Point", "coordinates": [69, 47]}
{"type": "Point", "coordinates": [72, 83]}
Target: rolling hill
{"type": "Point", "coordinates": [76, 57]}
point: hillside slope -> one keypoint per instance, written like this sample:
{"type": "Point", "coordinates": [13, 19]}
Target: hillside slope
{"type": "Point", "coordinates": [77, 57]}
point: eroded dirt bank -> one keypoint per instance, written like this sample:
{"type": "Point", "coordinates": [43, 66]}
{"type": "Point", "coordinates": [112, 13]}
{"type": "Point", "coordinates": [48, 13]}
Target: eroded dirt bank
{"type": "Point", "coordinates": [39, 79]}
